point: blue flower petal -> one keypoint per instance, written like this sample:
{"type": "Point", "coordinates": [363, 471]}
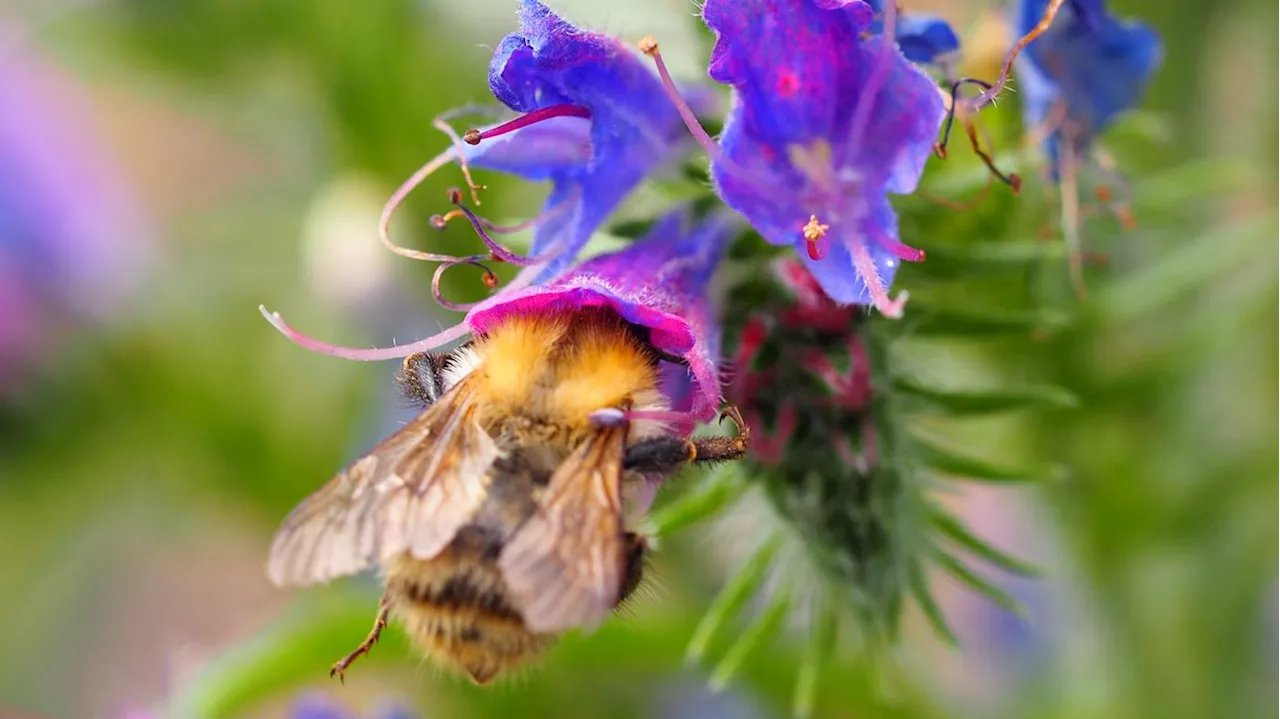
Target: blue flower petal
{"type": "Point", "coordinates": [317, 706]}
{"type": "Point", "coordinates": [925, 38]}
{"type": "Point", "coordinates": [790, 145]}
{"type": "Point", "coordinates": [835, 272]}
{"type": "Point", "coordinates": [922, 38]}
{"type": "Point", "coordinates": [1096, 65]}
{"type": "Point", "coordinates": [633, 126]}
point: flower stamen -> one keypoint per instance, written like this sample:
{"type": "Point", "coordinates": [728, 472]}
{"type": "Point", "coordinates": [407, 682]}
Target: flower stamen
{"type": "Point", "coordinates": [441, 221]}
{"type": "Point", "coordinates": [499, 252]}
{"type": "Point", "coordinates": [649, 46]}
{"type": "Point", "coordinates": [954, 108]}
{"type": "Point", "coordinates": [474, 135]}
{"type": "Point", "coordinates": [489, 278]}
{"type": "Point", "coordinates": [814, 233]}
{"type": "Point", "coordinates": [448, 130]}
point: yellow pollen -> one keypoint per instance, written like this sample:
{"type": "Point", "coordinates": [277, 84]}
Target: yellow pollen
{"type": "Point", "coordinates": [813, 230]}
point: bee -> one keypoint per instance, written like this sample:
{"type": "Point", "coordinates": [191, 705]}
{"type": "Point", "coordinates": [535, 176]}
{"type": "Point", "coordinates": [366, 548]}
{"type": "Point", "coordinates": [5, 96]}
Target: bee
{"type": "Point", "coordinates": [497, 515]}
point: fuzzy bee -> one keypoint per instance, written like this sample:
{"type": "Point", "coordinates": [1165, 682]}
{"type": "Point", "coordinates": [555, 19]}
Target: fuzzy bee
{"type": "Point", "coordinates": [497, 515]}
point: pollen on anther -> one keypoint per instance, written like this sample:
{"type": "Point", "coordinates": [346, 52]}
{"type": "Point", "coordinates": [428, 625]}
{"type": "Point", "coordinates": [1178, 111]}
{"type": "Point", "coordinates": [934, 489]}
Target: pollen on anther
{"type": "Point", "coordinates": [814, 231]}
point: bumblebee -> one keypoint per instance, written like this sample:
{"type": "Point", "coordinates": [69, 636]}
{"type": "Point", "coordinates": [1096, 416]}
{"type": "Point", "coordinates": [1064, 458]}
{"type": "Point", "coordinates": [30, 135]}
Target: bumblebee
{"type": "Point", "coordinates": [497, 514]}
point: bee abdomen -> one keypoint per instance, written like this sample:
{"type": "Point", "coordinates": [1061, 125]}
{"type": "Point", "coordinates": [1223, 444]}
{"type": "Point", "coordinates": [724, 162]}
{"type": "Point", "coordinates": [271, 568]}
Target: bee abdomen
{"type": "Point", "coordinates": [461, 592]}
{"type": "Point", "coordinates": [457, 612]}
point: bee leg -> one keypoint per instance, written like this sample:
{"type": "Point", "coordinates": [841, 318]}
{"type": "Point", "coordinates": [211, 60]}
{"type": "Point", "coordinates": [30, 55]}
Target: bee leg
{"type": "Point", "coordinates": [667, 455]}
{"type": "Point", "coordinates": [724, 449]}
{"type": "Point", "coordinates": [661, 455]}
{"type": "Point", "coordinates": [340, 667]}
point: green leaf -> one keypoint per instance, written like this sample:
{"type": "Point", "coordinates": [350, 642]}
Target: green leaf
{"type": "Point", "coordinates": [722, 486]}
{"type": "Point", "coordinates": [988, 400]}
{"type": "Point", "coordinates": [955, 463]}
{"type": "Point", "coordinates": [967, 259]}
{"type": "Point", "coordinates": [924, 319]}
{"type": "Point", "coordinates": [1183, 270]}
{"type": "Point", "coordinates": [732, 598]}
{"type": "Point", "coordinates": [822, 645]}
{"type": "Point", "coordinates": [764, 629]}
{"type": "Point", "coordinates": [969, 578]}
{"type": "Point", "coordinates": [952, 528]}
{"type": "Point", "coordinates": [924, 597]}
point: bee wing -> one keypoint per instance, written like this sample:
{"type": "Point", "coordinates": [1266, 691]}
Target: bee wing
{"type": "Point", "coordinates": [411, 493]}
{"type": "Point", "coordinates": [564, 567]}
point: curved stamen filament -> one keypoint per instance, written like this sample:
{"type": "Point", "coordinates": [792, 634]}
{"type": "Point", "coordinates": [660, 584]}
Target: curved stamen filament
{"type": "Point", "coordinates": [500, 252]}
{"type": "Point", "coordinates": [440, 221]}
{"type": "Point", "coordinates": [1006, 71]}
{"type": "Point", "coordinates": [956, 108]}
{"type": "Point", "coordinates": [365, 355]}
{"type": "Point", "coordinates": [474, 136]}
{"type": "Point", "coordinates": [409, 185]}
{"type": "Point", "coordinates": [953, 108]}
{"type": "Point", "coordinates": [1012, 179]}
{"type": "Point", "coordinates": [456, 141]}
{"type": "Point", "coordinates": [454, 153]}
{"type": "Point", "coordinates": [489, 278]}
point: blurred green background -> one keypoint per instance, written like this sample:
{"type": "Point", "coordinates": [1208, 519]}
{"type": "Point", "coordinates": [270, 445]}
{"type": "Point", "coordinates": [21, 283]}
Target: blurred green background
{"type": "Point", "coordinates": [146, 459]}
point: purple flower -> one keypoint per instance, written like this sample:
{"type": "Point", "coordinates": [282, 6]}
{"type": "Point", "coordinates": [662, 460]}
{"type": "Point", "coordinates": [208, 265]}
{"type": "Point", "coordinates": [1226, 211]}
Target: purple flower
{"type": "Point", "coordinates": [317, 706]}
{"type": "Point", "coordinates": [598, 123]}
{"type": "Point", "coordinates": [922, 38]}
{"type": "Point", "coordinates": [824, 125]}
{"type": "Point", "coordinates": [71, 239]}
{"type": "Point", "coordinates": [1086, 69]}
{"type": "Point", "coordinates": [659, 283]}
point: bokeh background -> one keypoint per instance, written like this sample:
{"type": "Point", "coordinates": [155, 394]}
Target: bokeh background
{"type": "Point", "coordinates": [167, 165]}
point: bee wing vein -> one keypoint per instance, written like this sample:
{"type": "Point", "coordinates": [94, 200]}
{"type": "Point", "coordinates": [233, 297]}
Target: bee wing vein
{"type": "Point", "coordinates": [412, 493]}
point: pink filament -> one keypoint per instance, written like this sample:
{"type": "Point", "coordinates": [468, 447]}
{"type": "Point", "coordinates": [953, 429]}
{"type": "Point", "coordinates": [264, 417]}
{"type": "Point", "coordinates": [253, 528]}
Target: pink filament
{"type": "Point", "coordinates": [684, 421]}
{"type": "Point", "coordinates": [365, 355]}
{"type": "Point", "coordinates": [700, 135]}
{"type": "Point", "coordinates": [444, 267]}
{"type": "Point", "coordinates": [866, 268]}
{"type": "Point", "coordinates": [409, 185]}
{"type": "Point", "coordinates": [499, 251]}
{"type": "Point", "coordinates": [900, 250]}
{"type": "Point", "coordinates": [473, 137]}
